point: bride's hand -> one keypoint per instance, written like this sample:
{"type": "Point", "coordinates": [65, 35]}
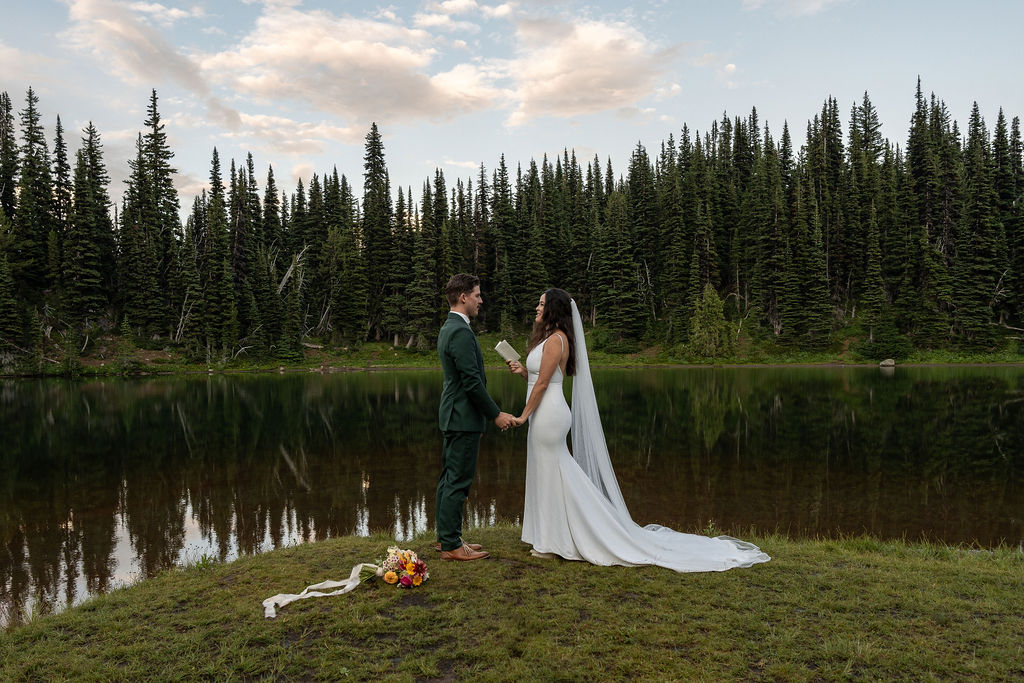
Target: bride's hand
{"type": "Point", "coordinates": [515, 367]}
{"type": "Point", "coordinates": [519, 421]}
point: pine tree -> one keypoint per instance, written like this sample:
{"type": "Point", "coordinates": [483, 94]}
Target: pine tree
{"type": "Point", "coordinates": [10, 315]}
{"type": "Point", "coordinates": [161, 212]}
{"type": "Point", "coordinates": [1014, 225]}
{"type": "Point", "coordinates": [289, 346]}
{"type": "Point", "coordinates": [976, 264]}
{"type": "Point", "coordinates": [222, 316]}
{"type": "Point", "coordinates": [396, 313]}
{"type": "Point", "coordinates": [8, 157]}
{"type": "Point", "coordinates": [349, 293]}
{"type": "Point", "coordinates": [815, 324]}
{"type": "Point", "coordinates": [33, 220]}
{"type": "Point", "coordinates": [769, 286]}
{"type": "Point", "coordinates": [677, 238]}
{"type": "Point", "coordinates": [90, 232]}
{"type": "Point", "coordinates": [710, 336]}
{"type": "Point", "coordinates": [376, 228]}
{"type": "Point", "coordinates": [188, 318]}
{"type": "Point", "coordinates": [271, 213]}
{"type": "Point", "coordinates": [242, 238]}
{"type": "Point", "coordinates": [502, 312]}
{"type": "Point", "coordinates": [138, 252]}
{"type": "Point", "coordinates": [645, 228]}
{"type": "Point", "coordinates": [873, 301]}
{"type": "Point", "coordinates": [1004, 187]}
{"type": "Point", "coordinates": [618, 302]}
{"type": "Point", "coordinates": [62, 192]}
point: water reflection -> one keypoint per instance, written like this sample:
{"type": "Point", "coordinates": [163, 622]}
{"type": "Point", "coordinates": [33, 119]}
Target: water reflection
{"type": "Point", "coordinates": [107, 481]}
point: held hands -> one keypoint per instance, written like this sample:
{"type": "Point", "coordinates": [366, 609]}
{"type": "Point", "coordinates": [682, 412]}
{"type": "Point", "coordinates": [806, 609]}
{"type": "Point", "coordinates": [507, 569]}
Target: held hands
{"type": "Point", "coordinates": [505, 420]}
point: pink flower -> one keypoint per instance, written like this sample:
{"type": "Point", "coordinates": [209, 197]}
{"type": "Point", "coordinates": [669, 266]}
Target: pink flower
{"type": "Point", "coordinates": [406, 581]}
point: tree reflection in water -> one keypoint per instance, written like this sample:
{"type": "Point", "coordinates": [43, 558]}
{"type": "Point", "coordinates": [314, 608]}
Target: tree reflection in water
{"type": "Point", "coordinates": [111, 480]}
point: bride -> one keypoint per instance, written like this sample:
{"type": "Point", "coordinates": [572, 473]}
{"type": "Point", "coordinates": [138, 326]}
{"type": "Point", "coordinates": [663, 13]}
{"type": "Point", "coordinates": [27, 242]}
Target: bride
{"type": "Point", "coordinates": [573, 507]}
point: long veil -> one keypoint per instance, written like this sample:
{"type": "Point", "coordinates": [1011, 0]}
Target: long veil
{"type": "Point", "coordinates": [588, 443]}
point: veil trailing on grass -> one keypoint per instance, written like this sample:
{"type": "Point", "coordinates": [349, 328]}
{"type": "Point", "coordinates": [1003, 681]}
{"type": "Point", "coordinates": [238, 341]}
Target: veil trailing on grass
{"type": "Point", "coordinates": [589, 447]}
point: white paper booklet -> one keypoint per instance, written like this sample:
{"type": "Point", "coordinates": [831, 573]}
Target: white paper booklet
{"type": "Point", "coordinates": [506, 351]}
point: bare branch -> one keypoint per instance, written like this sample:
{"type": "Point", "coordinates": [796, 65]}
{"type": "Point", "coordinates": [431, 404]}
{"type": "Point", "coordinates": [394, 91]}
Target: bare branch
{"type": "Point", "coordinates": [296, 263]}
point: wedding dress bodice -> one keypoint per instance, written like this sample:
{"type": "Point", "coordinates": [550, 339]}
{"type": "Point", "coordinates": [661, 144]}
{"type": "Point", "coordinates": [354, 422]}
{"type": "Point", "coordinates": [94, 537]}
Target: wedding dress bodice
{"type": "Point", "coordinates": [533, 368]}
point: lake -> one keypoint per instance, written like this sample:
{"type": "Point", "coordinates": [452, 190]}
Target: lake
{"type": "Point", "coordinates": [103, 482]}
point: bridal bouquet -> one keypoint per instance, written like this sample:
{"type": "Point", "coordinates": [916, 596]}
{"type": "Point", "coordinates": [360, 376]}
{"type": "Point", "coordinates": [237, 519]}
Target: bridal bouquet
{"type": "Point", "coordinates": [401, 567]}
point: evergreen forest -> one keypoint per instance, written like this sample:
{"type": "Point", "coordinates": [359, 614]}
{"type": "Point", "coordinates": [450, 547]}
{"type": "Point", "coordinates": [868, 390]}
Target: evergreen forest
{"type": "Point", "coordinates": [734, 235]}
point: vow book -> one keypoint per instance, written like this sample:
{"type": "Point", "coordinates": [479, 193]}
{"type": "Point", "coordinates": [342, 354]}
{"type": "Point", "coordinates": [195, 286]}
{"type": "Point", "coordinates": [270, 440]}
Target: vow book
{"type": "Point", "coordinates": [506, 351]}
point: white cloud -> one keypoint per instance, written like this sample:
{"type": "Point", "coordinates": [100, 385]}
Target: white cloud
{"type": "Point", "coordinates": [454, 6]}
{"type": "Point", "coordinates": [29, 66]}
{"type": "Point", "coordinates": [466, 6]}
{"type": "Point", "coordinates": [364, 69]}
{"type": "Point", "coordinates": [136, 52]}
{"type": "Point", "coordinates": [498, 11]}
{"type": "Point", "coordinates": [387, 13]}
{"type": "Point", "coordinates": [287, 136]}
{"type": "Point", "coordinates": [301, 172]}
{"type": "Point", "coordinates": [120, 135]}
{"type": "Point", "coordinates": [791, 7]}
{"type": "Point", "coordinates": [189, 186]}
{"type": "Point", "coordinates": [444, 23]}
{"type": "Point", "coordinates": [569, 69]}
{"type": "Point", "coordinates": [163, 15]}
{"type": "Point", "coordinates": [462, 164]}
{"type": "Point", "coordinates": [666, 92]}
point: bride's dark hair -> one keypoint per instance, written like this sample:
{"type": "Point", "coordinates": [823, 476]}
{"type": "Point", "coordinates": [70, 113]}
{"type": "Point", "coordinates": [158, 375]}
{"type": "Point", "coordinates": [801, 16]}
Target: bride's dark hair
{"type": "Point", "coordinates": [557, 315]}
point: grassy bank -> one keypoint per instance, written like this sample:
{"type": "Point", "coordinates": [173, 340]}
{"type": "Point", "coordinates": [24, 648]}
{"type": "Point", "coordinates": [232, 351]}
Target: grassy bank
{"type": "Point", "coordinates": [820, 610]}
{"type": "Point", "coordinates": [109, 357]}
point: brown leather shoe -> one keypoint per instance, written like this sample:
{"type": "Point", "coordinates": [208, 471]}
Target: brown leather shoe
{"type": "Point", "coordinates": [464, 553]}
{"type": "Point", "coordinates": [472, 546]}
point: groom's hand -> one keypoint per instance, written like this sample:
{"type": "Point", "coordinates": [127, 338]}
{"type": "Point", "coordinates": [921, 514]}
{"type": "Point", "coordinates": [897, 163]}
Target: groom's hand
{"type": "Point", "coordinates": [504, 421]}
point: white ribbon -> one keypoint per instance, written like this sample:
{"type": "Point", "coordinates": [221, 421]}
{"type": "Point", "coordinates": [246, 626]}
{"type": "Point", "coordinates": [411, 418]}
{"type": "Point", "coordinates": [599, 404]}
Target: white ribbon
{"type": "Point", "coordinates": [270, 605]}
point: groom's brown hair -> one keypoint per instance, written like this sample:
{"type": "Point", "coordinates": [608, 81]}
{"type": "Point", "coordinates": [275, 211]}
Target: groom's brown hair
{"type": "Point", "coordinates": [462, 283]}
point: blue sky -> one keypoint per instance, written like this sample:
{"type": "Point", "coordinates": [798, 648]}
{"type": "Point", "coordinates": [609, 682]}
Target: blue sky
{"type": "Point", "coordinates": [453, 83]}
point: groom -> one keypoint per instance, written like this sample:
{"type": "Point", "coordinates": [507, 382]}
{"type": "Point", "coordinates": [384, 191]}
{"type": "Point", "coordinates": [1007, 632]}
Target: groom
{"type": "Point", "coordinates": [465, 408]}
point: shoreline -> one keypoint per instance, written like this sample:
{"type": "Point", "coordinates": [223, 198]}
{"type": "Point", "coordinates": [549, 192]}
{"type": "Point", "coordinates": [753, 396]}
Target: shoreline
{"type": "Point", "coordinates": [820, 609]}
{"type": "Point", "coordinates": [93, 372]}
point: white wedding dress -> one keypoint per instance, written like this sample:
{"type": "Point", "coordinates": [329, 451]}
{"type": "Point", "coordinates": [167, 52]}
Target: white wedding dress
{"type": "Point", "coordinates": [574, 508]}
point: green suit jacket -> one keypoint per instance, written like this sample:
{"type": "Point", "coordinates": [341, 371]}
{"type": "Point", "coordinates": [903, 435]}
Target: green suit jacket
{"type": "Point", "coordinates": [465, 404]}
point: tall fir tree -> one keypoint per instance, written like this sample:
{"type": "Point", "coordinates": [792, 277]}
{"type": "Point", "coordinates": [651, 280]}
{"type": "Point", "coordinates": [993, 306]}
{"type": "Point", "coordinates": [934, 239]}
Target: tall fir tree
{"type": "Point", "coordinates": [89, 242]}
{"type": "Point", "coordinates": [162, 210]}
{"type": "Point", "coordinates": [873, 299]}
{"type": "Point", "coordinates": [618, 301]}
{"type": "Point", "coordinates": [350, 291]}
{"type": "Point", "coordinates": [10, 315]}
{"type": "Point", "coordinates": [33, 218]}
{"type": "Point", "coordinates": [138, 252]}
{"type": "Point", "coordinates": [220, 316]}
{"type": "Point", "coordinates": [376, 228]}
{"type": "Point", "coordinates": [8, 157]}
{"type": "Point", "coordinates": [976, 268]}
{"type": "Point", "coordinates": [62, 195]}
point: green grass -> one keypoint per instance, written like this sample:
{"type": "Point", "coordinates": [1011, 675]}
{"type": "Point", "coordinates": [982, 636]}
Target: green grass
{"type": "Point", "coordinates": [820, 610]}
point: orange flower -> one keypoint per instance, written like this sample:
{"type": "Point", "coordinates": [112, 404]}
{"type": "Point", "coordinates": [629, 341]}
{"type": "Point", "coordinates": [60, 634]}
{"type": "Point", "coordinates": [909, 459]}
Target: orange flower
{"type": "Point", "coordinates": [390, 577]}
{"type": "Point", "coordinates": [417, 580]}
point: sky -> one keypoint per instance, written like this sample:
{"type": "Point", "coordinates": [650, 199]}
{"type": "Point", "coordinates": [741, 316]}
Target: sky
{"type": "Point", "coordinates": [452, 84]}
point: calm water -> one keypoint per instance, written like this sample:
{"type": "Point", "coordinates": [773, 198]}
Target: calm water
{"type": "Point", "coordinates": [103, 482]}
